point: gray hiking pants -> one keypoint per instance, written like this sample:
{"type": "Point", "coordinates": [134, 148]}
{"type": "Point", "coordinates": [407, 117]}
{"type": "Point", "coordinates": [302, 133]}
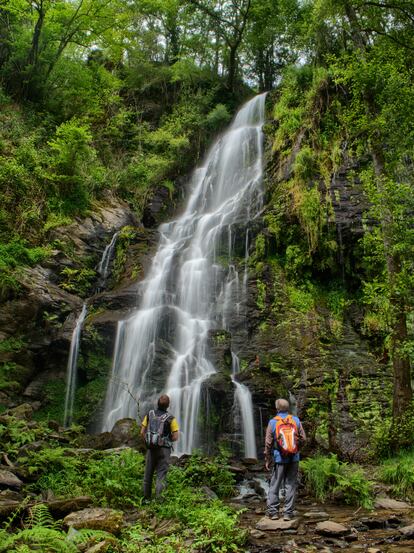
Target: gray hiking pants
{"type": "Point", "coordinates": [157, 460]}
{"type": "Point", "coordinates": [283, 474]}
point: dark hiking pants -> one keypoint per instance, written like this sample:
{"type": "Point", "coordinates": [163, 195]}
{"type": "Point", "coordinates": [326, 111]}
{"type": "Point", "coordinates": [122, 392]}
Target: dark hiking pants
{"type": "Point", "coordinates": [283, 474]}
{"type": "Point", "coordinates": [157, 460]}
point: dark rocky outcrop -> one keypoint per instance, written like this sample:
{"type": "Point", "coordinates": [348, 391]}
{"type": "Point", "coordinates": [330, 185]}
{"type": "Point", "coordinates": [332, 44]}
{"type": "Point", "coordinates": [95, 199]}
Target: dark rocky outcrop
{"type": "Point", "coordinates": [42, 316]}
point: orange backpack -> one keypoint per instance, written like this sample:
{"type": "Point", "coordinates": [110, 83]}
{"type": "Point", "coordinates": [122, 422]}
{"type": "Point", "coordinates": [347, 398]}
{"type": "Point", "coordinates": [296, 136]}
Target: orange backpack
{"type": "Point", "coordinates": [286, 435]}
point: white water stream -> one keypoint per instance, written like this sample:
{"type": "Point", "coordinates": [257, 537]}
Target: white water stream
{"type": "Point", "coordinates": [191, 286]}
{"type": "Point", "coordinates": [103, 267]}
{"type": "Point", "coordinates": [71, 375]}
{"type": "Point", "coordinates": [243, 403]}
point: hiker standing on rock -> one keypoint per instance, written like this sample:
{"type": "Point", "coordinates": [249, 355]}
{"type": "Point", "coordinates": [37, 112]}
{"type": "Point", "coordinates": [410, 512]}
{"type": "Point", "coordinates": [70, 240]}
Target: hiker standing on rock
{"type": "Point", "coordinates": [284, 434]}
{"type": "Point", "coordinates": [159, 430]}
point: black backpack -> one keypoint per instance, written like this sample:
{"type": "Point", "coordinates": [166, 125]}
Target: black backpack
{"type": "Point", "coordinates": [154, 435]}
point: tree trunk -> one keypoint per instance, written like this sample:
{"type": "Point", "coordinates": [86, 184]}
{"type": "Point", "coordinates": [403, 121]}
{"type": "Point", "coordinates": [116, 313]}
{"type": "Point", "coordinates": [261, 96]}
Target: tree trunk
{"type": "Point", "coordinates": [232, 67]}
{"type": "Point", "coordinates": [32, 58]}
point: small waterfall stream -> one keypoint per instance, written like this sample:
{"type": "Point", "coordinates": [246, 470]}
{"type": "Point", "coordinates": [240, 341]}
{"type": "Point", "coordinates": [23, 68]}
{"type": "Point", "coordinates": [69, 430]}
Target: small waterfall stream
{"type": "Point", "coordinates": [71, 375]}
{"type": "Point", "coordinates": [243, 401]}
{"type": "Point", "coordinates": [72, 366]}
{"type": "Point", "coordinates": [191, 286]}
{"type": "Point", "coordinates": [103, 268]}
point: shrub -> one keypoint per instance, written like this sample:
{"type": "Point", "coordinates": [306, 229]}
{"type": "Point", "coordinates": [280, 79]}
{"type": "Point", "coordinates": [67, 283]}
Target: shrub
{"type": "Point", "coordinates": [211, 472]}
{"type": "Point", "coordinates": [327, 477]}
{"type": "Point", "coordinates": [399, 472]}
{"type": "Point", "coordinates": [114, 480]}
{"type": "Point", "coordinates": [214, 526]}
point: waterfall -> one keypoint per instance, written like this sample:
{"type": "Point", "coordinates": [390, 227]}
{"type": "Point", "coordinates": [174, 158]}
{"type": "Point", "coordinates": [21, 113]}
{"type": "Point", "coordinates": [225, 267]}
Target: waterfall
{"type": "Point", "coordinates": [188, 292]}
{"type": "Point", "coordinates": [71, 375]}
{"type": "Point", "coordinates": [107, 256]}
{"type": "Point", "coordinates": [244, 404]}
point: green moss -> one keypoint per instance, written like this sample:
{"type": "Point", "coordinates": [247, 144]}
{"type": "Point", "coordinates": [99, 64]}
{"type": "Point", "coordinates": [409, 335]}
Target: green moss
{"type": "Point", "coordinates": [53, 402]}
{"type": "Point", "coordinates": [301, 299]}
{"type": "Point", "coordinates": [8, 381]}
{"type": "Point", "coordinates": [12, 344]}
{"type": "Point", "coordinates": [94, 362]}
{"type": "Point", "coordinates": [126, 236]}
{"type": "Point", "coordinates": [77, 281]}
{"type": "Point", "coordinates": [260, 246]}
{"type": "Point", "coordinates": [88, 398]}
{"type": "Point", "coordinates": [304, 166]}
{"type": "Point", "coordinates": [55, 220]}
{"type": "Point", "coordinates": [261, 295]}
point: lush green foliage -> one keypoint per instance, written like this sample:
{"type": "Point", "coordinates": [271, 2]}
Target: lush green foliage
{"type": "Point", "coordinates": [211, 472]}
{"type": "Point", "coordinates": [41, 532]}
{"type": "Point", "coordinates": [329, 478]}
{"type": "Point", "coordinates": [110, 479]}
{"type": "Point", "coordinates": [115, 480]}
{"type": "Point", "coordinates": [399, 472]}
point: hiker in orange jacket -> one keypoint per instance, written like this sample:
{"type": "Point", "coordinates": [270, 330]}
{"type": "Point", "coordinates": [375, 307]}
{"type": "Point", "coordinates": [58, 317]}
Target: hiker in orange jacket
{"type": "Point", "coordinates": [284, 435]}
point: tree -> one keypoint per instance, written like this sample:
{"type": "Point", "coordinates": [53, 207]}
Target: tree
{"type": "Point", "coordinates": [376, 72]}
{"type": "Point", "coordinates": [48, 29]}
{"type": "Point", "coordinates": [229, 21]}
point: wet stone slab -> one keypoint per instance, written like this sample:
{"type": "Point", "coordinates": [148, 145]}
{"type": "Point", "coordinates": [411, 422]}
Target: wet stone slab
{"type": "Point", "coordinates": [331, 528]}
{"type": "Point", "coordinates": [267, 524]}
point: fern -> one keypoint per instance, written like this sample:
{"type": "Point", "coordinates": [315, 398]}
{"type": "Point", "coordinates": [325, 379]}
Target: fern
{"type": "Point", "coordinates": [327, 476]}
{"type": "Point", "coordinates": [46, 540]}
{"type": "Point", "coordinates": [39, 516]}
{"type": "Point", "coordinates": [86, 535]}
{"type": "Point", "coordinates": [15, 514]}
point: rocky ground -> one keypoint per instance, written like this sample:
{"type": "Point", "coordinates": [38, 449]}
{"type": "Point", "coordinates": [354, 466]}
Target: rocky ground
{"type": "Point", "coordinates": [326, 528]}
{"type": "Point", "coordinates": [329, 527]}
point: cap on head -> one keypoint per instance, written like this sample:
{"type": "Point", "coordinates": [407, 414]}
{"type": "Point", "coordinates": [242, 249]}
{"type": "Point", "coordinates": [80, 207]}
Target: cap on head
{"type": "Point", "coordinates": [163, 402]}
{"type": "Point", "coordinates": [282, 405]}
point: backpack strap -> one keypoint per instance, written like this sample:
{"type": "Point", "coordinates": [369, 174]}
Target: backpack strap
{"type": "Point", "coordinates": [289, 419]}
{"type": "Point", "coordinates": [165, 440]}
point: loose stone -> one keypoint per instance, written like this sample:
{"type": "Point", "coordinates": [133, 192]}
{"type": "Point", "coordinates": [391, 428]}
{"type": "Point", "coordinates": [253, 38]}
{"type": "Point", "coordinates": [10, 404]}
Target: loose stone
{"type": "Point", "coordinates": [407, 531]}
{"type": "Point", "coordinates": [331, 528]}
{"type": "Point", "coordinates": [391, 504]}
{"type": "Point", "coordinates": [312, 515]}
{"type": "Point", "coordinates": [9, 480]}
{"type": "Point", "coordinates": [96, 519]}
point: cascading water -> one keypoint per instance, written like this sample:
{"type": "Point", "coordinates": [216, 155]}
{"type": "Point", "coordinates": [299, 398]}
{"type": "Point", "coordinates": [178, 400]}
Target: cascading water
{"type": "Point", "coordinates": [189, 289]}
{"type": "Point", "coordinates": [71, 375]}
{"type": "Point", "coordinates": [107, 256]}
{"type": "Point", "coordinates": [244, 405]}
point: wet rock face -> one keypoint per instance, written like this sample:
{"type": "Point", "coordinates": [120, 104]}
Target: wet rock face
{"type": "Point", "coordinates": [219, 345]}
{"type": "Point", "coordinates": [89, 236]}
{"type": "Point", "coordinates": [126, 433]}
{"type": "Point", "coordinates": [217, 396]}
{"type": "Point", "coordinates": [42, 316]}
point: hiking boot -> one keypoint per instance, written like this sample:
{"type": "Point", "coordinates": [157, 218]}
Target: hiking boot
{"type": "Point", "coordinates": [274, 517]}
{"type": "Point", "coordinates": [288, 517]}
